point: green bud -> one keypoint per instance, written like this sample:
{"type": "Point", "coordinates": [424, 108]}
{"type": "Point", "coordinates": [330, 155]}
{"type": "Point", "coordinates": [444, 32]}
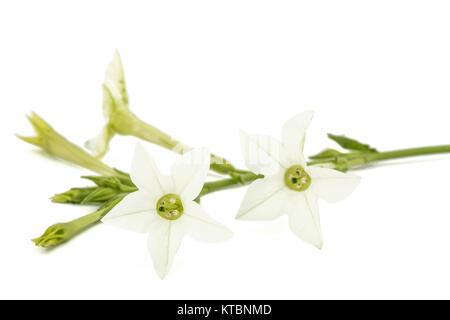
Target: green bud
{"type": "Point", "coordinates": [221, 165]}
{"type": "Point", "coordinates": [74, 195]}
{"type": "Point", "coordinates": [106, 189]}
{"type": "Point", "coordinates": [56, 234]}
{"type": "Point", "coordinates": [55, 144]}
{"type": "Point", "coordinates": [89, 195]}
{"type": "Point", "coordinates": [61, 232]}
{"type": "Point", "coordinates": [100, 195]}
{"type": "Point", "coordinates": [351, 144]}
{"type": "Point", "coordinates": [121, 184]}
{"type": "Point", "coordinates": [327, 153]}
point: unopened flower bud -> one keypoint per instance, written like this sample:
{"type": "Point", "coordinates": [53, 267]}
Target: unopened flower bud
{"type": "Point", "coordinates": [55, 144]}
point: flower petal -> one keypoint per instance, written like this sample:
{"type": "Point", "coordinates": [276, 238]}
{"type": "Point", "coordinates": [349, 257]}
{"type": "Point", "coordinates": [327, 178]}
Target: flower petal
{"type": "Point", "coordinates": [145, 175]}
{"type": "Point", "coordinates": [332, 185]}
{"type": "Point", "coordinates": [264, 200]}
{"type": "Point", "coordinates": [304, 219]}
{"type": "Point", "coordinates": [136, 212]}
{"type": "Point", "coordinates": [201, 226]}
{"type": "Point", "coordinates": [189, 173]}
{"type": "Point", "coordinates": [294, 132]}
{"type": "Point", "coordinates": [163, 242]}
{"type": "Point", "coordinates": [263, 154]}
{"type": "Point", "coordinates": [99, 145]}
{"type": "Point", "coordinates": [114, 89]}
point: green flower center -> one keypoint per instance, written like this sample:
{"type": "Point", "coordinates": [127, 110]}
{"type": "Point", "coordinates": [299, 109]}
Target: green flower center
{"type": "Point", "coordinates": [169, 207]}
{"type": "Point", "coordinates": [296, 178]}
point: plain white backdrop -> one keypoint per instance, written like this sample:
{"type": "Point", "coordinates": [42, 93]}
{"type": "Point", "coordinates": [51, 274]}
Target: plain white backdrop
{"type": "Point", "coordinates": [378, 71]}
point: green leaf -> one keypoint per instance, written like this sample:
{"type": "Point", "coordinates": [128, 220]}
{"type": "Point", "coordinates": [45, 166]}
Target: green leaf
{"type": "Point", "coordinates": [351, 144]}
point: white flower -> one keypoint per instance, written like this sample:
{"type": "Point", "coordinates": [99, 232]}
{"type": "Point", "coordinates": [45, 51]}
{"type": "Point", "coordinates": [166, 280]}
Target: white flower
{"type": "Point", "coordinates": [289, 185]}
{"type": "Point", "coordinates": [164, 208]}
{"type": "Point", "coordinates": [115, 100]}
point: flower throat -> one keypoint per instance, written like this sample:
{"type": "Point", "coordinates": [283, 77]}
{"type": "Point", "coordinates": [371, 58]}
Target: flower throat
{"type": "Point", "coordinates": [296, 178]}
{"type": "Point", "coordinates": [169, 207]}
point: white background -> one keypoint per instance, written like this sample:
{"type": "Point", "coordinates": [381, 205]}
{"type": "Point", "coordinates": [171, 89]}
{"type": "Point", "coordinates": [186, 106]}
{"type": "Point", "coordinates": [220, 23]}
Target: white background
{"type": "Point", "coordinates": [378, 71]}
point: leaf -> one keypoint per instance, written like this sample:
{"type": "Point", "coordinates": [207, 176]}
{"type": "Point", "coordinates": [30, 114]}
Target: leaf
{"type": "Point", "coordinates": [351, 144]}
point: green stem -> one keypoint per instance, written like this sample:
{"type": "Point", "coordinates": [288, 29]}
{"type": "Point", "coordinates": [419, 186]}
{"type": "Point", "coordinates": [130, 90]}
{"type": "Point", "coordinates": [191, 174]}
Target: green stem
{"type": "Point", "coordinates": [64, 231]}
{"type": "Point", "coordinates": [127, 123]}
{"type": "Point", "coordinates": [411, 152]}
{"type": "Point", "coordinates": [352, 160]}
{"type": "Point", "coordinates": [347, 161]}
{"type": "Point", "coordinates": [240, 178]}
{"type": "Point", "coordinates": [235, 181]}
{"type": "Point", "coordinates": [147, 132]}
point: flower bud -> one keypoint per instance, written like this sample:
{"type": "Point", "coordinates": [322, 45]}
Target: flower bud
{"type": "Point", "coordinates": [56, 234]}
{"type": "Point", "coordinates": [55, 144]}
{"type": "Point", "coordinates": [61, 232]}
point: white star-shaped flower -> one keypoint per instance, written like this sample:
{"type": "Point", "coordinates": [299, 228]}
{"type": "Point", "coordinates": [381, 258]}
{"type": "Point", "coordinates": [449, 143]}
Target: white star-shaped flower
{"type": "Point", "coordinates": [289, 184]}
{"type": "Point", "coordinates": [164, 206]}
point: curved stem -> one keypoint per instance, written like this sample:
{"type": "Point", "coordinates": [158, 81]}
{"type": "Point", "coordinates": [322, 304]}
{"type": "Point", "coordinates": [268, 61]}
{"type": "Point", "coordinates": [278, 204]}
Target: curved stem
{"type": "Point", "coordinates": [235, 181]}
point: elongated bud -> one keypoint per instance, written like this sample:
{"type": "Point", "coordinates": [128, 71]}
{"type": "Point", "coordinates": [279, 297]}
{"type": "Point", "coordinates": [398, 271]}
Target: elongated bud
{"type": "Point", "coordinates": [62, 232]}
{"type": "Point", "coordinates": [119, 183]}
{"type": "Point", "coordinates": [74, 195]}
{"type": "Point", "coordinates": [99, 195]}
{"type": "Point", "coordinates": [55, 144]}
{"type": "Point", "coordinates": [56, 234]}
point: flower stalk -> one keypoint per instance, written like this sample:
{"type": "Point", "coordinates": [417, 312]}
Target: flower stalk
{"type": "Point", "coordinates": [126, 123]}
{"type": "Point", "coordinates": [344, 162]}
